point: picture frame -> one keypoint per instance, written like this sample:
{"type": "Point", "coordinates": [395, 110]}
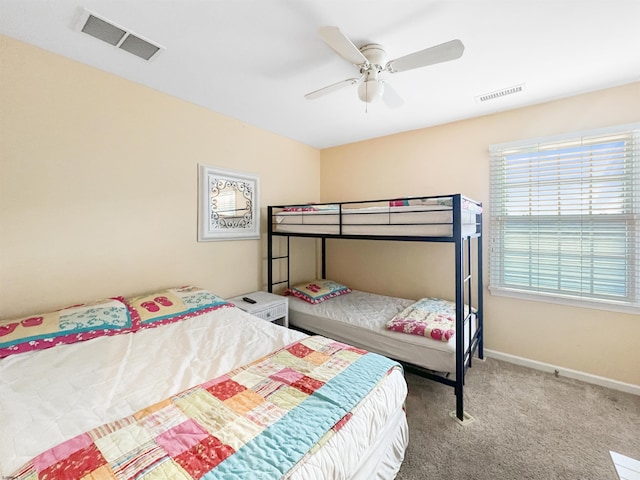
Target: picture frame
{"type": "Point", "coordinates": [228, 205]}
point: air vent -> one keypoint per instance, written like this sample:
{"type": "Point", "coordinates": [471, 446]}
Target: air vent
{"type": "Point", "coordinates": [117, 36]}
{"type": "Point", "coordinates": [499, 93]}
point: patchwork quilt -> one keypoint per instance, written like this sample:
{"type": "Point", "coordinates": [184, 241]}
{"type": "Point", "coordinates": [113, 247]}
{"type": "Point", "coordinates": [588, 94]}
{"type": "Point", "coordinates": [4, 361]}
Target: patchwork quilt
{"type": "Point", "coordinates": [430, 317]}
{"type": "Point", "coordinates": [256, 422]}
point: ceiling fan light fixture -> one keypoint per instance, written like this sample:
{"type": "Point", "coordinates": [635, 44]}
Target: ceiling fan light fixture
{"type": "Point", "coordinates": [371, 61]}
{"type": "Point", "coordinates": [370, 90]}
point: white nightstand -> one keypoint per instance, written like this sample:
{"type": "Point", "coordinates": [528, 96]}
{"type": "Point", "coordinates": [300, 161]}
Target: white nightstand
{"type": "Point", "coordinates": [268, 306]}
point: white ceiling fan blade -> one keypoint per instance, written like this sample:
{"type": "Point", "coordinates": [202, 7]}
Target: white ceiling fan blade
{"type": "Point", "coordinates": [429, 56]}
{"type": "Point", "coordinates": [331, 88]}
{"type": "Point", "coordinates": [390, 97]}
{"type": "Point", "coordinates": [342, 45]}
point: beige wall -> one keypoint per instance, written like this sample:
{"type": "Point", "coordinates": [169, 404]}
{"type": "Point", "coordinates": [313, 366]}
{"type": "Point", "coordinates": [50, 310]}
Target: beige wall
{"type": "Point", "coordinates": [454, 158]}
{"type": "Point", "coordinates": [98, 186]}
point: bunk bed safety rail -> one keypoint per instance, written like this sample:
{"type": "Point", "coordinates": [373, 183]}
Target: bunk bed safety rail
{"type": "Point", "coordinates": [445, 216]}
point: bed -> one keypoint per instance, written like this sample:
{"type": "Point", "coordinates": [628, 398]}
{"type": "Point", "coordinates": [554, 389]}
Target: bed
{"type": "Point", "coordinates": [361, 318]}
{"type": "Point", "coordinates": [202, 389]}
{"type": "Point", "coordinates": [429, 220]}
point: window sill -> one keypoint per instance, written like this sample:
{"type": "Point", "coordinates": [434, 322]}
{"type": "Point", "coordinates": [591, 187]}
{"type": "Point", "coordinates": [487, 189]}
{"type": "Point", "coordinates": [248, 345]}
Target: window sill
{"type": "Point", "coordinates": [573, 302]}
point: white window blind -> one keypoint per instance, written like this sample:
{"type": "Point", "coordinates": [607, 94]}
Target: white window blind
{"type": "Point", "coordinates": [565, 218]}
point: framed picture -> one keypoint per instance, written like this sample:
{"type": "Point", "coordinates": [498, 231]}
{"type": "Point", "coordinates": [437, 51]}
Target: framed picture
{"type": "Point", "coordinates": [228, 205]}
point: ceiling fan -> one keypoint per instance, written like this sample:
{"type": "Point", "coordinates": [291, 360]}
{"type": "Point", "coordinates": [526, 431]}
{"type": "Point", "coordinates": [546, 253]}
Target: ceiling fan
{"type": "Point", "coordinates": [371, 61]}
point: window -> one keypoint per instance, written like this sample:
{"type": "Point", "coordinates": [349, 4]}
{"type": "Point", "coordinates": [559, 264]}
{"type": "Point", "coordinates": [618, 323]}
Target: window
{"type": "Point", "coordinates": [565, 219]}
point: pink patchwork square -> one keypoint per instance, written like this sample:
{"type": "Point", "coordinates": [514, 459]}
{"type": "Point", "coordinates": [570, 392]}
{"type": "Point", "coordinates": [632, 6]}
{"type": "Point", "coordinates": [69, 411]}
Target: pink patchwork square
{"type": "Point", "coordinates": [307, 385]}
{"type": "Point", "coordinates": [214, 382]}
{"type": "Point", "coordinates": [287, 375]}
{"type": "Point", "coordinates": [299, 350]}
{"type": "Point", "coordinates": [204, 456]}
{"type": "Point", "coordinates": [62, 451]}
{"type": "Point", "coordinates": [181, 437]}
{"type": "Point", "coordinates": [75, 465]}
{"type": "Point", "coordinates": [226, 389]}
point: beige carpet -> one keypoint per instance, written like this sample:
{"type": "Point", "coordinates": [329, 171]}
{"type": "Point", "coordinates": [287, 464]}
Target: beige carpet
{"type": "Point", "coordinates": [529, 425]}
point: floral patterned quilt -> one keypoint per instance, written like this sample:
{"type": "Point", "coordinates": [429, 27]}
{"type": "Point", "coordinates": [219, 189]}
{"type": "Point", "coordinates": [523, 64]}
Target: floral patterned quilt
{"type": "Point", "coordinates": [255, 422]}
{"type": "Point", "coordinates": [430, 317]}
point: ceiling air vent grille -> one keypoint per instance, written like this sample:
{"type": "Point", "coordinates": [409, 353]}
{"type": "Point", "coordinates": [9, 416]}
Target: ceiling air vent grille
{"type": "Point", "coordinates": [118, 36]}
{"type": "Point", "coordinates": [499, 93]}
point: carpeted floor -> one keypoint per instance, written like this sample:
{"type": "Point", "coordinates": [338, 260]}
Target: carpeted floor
{"type": "Point", "coordinates": [529, 425]}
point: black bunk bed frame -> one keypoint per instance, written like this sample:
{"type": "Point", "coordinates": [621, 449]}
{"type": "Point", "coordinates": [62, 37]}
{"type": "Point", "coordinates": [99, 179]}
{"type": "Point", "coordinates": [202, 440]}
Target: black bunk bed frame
{"type": "Point", "coordinates": [464, 263]}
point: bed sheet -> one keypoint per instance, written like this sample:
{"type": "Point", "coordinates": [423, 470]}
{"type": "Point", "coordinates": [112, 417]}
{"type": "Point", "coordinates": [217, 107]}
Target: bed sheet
{"type": "Point", "coordinates": [81, 386]}
{"type": "Point", "coordinates": [416, 220]}
{"type": "Point", "coordinates": [359, 318]}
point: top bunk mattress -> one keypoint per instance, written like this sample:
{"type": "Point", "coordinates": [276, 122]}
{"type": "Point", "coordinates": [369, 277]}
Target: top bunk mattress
{"type": "Point", "coordinates": [420, 218]}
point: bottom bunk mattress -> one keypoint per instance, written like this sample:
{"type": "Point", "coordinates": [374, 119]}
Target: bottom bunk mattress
{"type": "Point", "coordinates": [110, 399]}
{"type": "Point", "coordinates": [360, 318]}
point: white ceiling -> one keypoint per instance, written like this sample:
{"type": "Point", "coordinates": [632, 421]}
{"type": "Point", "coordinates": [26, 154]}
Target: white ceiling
{"type": "Point", "coordinates": [254, 60]}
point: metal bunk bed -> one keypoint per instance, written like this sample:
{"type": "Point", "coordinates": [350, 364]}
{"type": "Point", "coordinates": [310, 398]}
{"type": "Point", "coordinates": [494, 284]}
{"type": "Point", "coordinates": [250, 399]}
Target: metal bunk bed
{"type": "Point", "coordinates": [338, 223]}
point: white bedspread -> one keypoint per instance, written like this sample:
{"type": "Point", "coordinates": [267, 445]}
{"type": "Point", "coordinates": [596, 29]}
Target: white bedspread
{"type": "Point", "coordinates": [51, 395]}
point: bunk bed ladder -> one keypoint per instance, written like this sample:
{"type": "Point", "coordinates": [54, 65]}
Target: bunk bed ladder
{"type": "Point", "coordinates": [464, 296]}
{"type": "Point", "coordinates": [270, 258]}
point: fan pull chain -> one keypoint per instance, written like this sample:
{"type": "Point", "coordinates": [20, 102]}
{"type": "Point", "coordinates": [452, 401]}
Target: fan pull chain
{"type": "Point", "coordinates": [366, 95]}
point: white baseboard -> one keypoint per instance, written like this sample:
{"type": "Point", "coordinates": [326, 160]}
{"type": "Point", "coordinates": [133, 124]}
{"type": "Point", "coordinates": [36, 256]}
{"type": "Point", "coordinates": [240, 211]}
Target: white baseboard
{"type": "Point", "coordinates": [565, 372]}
